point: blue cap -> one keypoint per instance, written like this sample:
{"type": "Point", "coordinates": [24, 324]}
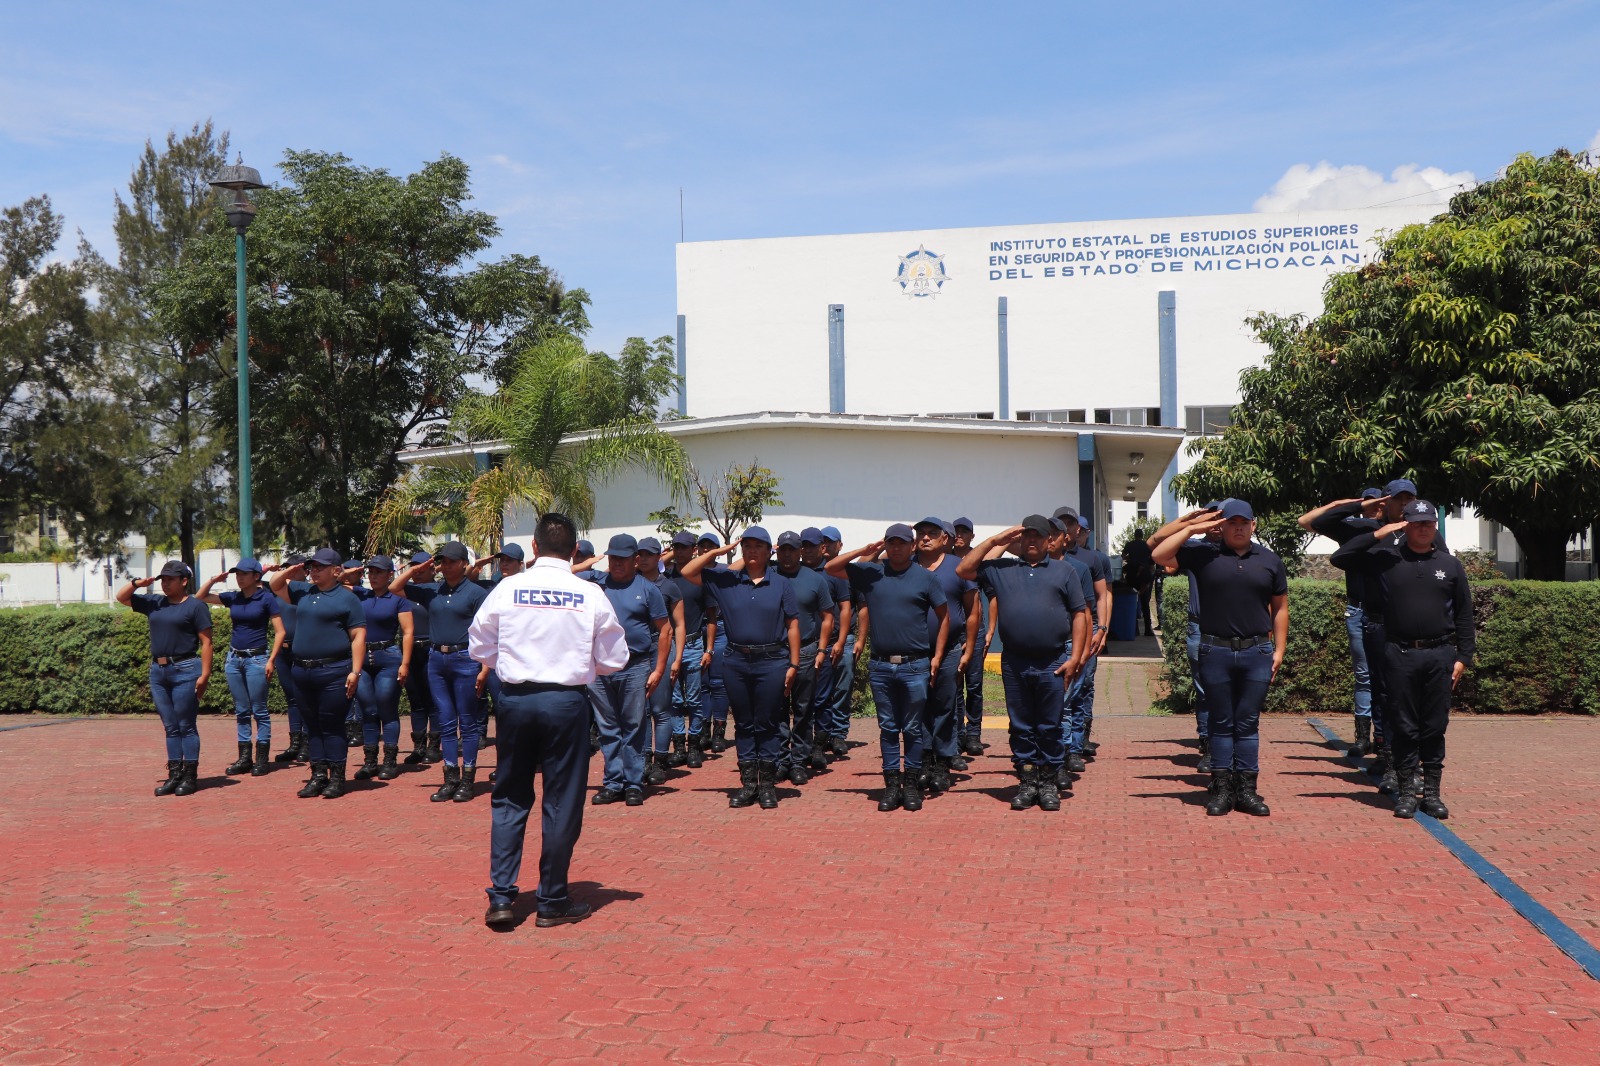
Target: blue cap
{"type": "Point", "coordinates": [511, 550]}
{"type": "Point", "coordinates": [352, 564]}
{"type": "Point", "coordinates": [381, 562]}
{"type": "Point", "coordinates": [1232, 508]}
{"type": "Point", "coordinates": [650, 546]}
{"type": "Point", "coordinates": [831, 532]}
{"type": "Point", "coordinates": [1371, 494]}
{"type": "Point", "coordinates": [454, 549]}
{"type": "Point", "coordinates": [900, 531]}
{"type": "Point", "coordinates": [683, 537]}
{"type": "Point", "coordinates": [623, 546]}
{"type": "Point", "coordinates": [1420, 511]}
{"type": "Point", "coordinates": [756, 533]}
{"type": "Point", "coordinates": [1399, 485]}
{"type": "Point", "coordinates": [788, 539]}
{"type": "Point", "coordinates": [175, 568]}
{"type": "Point", "coordinates": [937, 523]}
{"type": "Point", "coordinates": [245, 565]}
{"type": "Point", "coordinates": [585, 548]}
{"type": "Point", "coordinates": [418, 558]}
{"type": "Point", "coordinates": [949, 530]}
{"type": "Point", "coordinates": [963, 523]}
{"type": "Point", "coordinates": [811, 535]}
{"type": "Point", "coordinates": [1057, 524]}
{"type": "Point", "coordinates": [1213, 505]}
{"type": "Point", "coordinates": [1083, 521]}
{"type": "Point", "coordinates": [709, 538]}
{"type": "Point", "coordinates": [326, 557]}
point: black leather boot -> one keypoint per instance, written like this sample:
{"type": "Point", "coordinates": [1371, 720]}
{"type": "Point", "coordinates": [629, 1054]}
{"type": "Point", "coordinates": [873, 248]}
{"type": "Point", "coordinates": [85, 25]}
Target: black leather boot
{"type": "Point", "coordinates": [1063, 780]}
{"type": "Point", "coordinates": [452, 781]}
{"type": "Point", "coordinates": [1245, 797]}
{"type": "Point", "coordinates": [335, 786]}
{"type": "Point", "coordinates": [655, 770]}
{"type": "Point", "coordinates": [767, 785]}
{"type": "Point", "coordinates": [244, 764]}
{"type": "Point", "coordinates": [1388, 780]}
{"type": "Point", "coordinates": [749, 783]}
{"type": "Point", "coordinates": [1432, 777]}
{"type": "Point", "coordinates": [191, 780]}
{"type": "Point", "coordinates": [1409, 797]}
{"type": "Point", "coordinates": [1049, 794]}
{"type": "Point", "coordinates": [1363, 744]}
{"type": "Point", "coordinates": [1204, 766]}
{"type": "Point", "coordinates": [419, 749]}
{"type": "Point", "coordinates": [695, 757]}
{"type": "Point", "coordinates": [719, 737]}
{"type": "Point", "coordinates": [891, 792]}
{"type": "Point", "coordinates": [938, 774]}
{"type": "Point", "coordinates": [288, 754]}
{"type": "Point", "coordinates": [680, 752]}
{"type": "Point", "coordinates": [316, 783]}
{"type": "Point", "coordinates": [910, 791]}
{"type": "Point", "coordinates": [352, 732]}
{"type": "Point", "coordinates": [174, 775]}
{"type": "Point", "coordinates": [263, 761]}
{"type": "Point", "coordinates": [434, 751]}
{"type": "Point", "coordinates": [1220, 801]}
{"type": "Point", "coordinates": [391, 763]}
{"type": "Point", "coordinates": [369, 762]}
{"type": "Point", "coordinates": [1075, 763]}
{"type": "Point", "coordinates": [468, 777]}
{"type": "Point", "coordinates": [972, 744]}
{"type": "Point", "coordinates": [1028, 791]}
{"type": "Point", "coordinates": [304, 754]}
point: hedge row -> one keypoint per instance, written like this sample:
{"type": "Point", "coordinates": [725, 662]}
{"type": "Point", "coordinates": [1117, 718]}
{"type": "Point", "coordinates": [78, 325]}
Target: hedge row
{"type": "Point", "coordinates": [1537, 650]}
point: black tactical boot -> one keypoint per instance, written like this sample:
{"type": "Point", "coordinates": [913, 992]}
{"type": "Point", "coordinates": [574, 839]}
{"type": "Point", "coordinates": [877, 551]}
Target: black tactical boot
{"type": "Point", "coordinates": [174, 775]}
{"type": "Point", "coordinates": [352, 732]}
{"type": "Point", "coordinates": [1363, 744]}
{"type": "Point", "coordinates": [1063, 779]}
{"type": "Point", "coordinates": [335, 786]}
{"type": "Point", "coordinates": [391, 763]}
{"type": "Point", "coordinates": [468, 777]}
{"type": "Point", "coordinates": [680, 751]}
{"type": "Point", "coordinates": [419, 749]}
{"type": "Point", "coordinates": [316, 783]}
{"type": "Point", "coordinates": [796, 772]}
{"type": "Point", "coordinates": [304, 752]}
{"type": "Point", "coordinates": [1220, 801]}
{"type": "Point", "coordinates": [263, 759]}
{"type": "Point", "coordinates": [891, 792]}
{"type": "Point", "coordinates": [719, 737]}
{"type": "Point", "coordinates": [1432, 776]}
{"type": "Point", "coordinates": [452, 781]}
{"type": "Point", "coordinates": [1204, 766]}
{"type": "Point", "coordinates": [1027, 792]}
{"type": "Point", "coordinates": [1408, 798]}
{"type": "Point", "coordinates": [435, 751]}
{"type": "Point", "coordinates": [1245, 797]}
{"type": "Point", "coordinates": [938, 774]}
{"type": "Point", "coordinates": [292, 751]}
{"type": "Point", "coordinates": [957, 762]}
{"type": "Point", "coordinates": [1388, 780]}
{"type": "Point", "coordinates": [1049, 794]}
{"type": "Point", "coordinates": [695, 757]}
{"type": "Point", "coordinates": [191, 780]}
{"type": "Point", "coordinates": [749, 784]}
{"type": "Point", "coordinates": [369, 762]}
{"type": "Point", "coordinates": [910, 791]}
{"type": "Point", "coordinates": [972, 744]}
{"type": "Point", "coordinates": [1075, 763]}
{"type": "Point", "coordinates": [767, 785]}
{"type": "Point", "coordinates": [654, 772]}
{"type": "Point", "coordinates": [244, 764]}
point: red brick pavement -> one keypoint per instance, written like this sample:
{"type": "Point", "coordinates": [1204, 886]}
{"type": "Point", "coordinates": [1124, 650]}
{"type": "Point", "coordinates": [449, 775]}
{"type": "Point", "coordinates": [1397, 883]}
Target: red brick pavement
{"type": "Point", "coordinates": [244, 924]}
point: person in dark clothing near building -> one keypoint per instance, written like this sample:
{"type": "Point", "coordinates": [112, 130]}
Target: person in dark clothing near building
{"type": "Point", "coordinates": [1430, 643]}
{"type": "Point", "coordinates": [658, 733]}
{"type": "Point", "coordinates": [1341, 522]}
{"type": "Point", "coordinates": [299, 747]}
{"type": "Point", "coordinates": [1139, 573]}
{"type": "Point", "coordinates": [390, 643]}
{"type": "Point", "coordinates": [180, 668]}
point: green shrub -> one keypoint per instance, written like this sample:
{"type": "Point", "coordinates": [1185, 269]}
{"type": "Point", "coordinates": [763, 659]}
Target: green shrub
{"type": "Point", "coordinates": [1535, 652]}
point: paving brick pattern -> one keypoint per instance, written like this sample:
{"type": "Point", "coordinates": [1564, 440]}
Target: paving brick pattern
{"type": "Point", "coordinates": [242, 924]}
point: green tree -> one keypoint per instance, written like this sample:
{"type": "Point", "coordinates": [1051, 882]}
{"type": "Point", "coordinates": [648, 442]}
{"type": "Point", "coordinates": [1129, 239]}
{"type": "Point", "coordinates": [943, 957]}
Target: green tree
{"type": "Point", "coordinates": [735, 497]}
{"type": "Point", "coordinates": [567, 420]}
{"type": "Point", "coordinates": [1466, 356]}
{"type": "Point", "coordinates": [367, 316]}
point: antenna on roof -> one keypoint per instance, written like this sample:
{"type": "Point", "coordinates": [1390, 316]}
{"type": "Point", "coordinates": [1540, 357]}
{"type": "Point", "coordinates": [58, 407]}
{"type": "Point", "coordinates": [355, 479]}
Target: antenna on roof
{"type": "Point", "coordinates": [680, 214]}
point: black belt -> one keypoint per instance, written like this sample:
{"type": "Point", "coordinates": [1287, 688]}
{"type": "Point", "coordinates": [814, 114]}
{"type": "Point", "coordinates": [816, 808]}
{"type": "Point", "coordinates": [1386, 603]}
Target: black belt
{"type": "Point", "coordinates": [420, 642]}
{"type": "Point", "coordinates": [381, 645]}
{"type": "Point", "coordinates": [1234, 643]}
{"type": "Point", "coordinates": [249, 652]}
{"type": "Point", "coordinates": [1420, 645]}
{"type": "Point", "coordinates": [523, 688]}
{"type": "Point", "coordinates": [1368, 616]}
{"type": "Point", "coordinates": [899, 660]}
{"type": "Point", "coordinates": [637, 657]}
{"type": "Point", "coordinates": [449, 649]}
{"type": "Point", "coordinates": [313, 664]}
{"type": "Point", "coordinates": [173, 660]}
{"type": "Point", "coordinates": [760, 651]}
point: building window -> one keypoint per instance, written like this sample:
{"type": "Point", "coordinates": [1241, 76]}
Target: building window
{"type": "Point", "coordinates": [1065, 414]}
{"type": "Point", "coordinates": [1144, 509]}
{"type": "Point", "coordinates": [962, 414]}
{"type": "Point", "coordinates": [1128, 416]}
{"type": "Point", "coordinates": [1207, 421]}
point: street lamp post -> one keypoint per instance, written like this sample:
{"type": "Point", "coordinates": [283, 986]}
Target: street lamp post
{"type": "Point", "coordinates": [241, 212]}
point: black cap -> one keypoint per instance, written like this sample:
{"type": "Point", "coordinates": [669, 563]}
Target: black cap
{"type": "Point", "coordinates": [454, 550]}
{"type": "Point", "coordinates": [650, 546]}
{"type": "Point", "coordinates": [683, 538]}
{"type": "Point", "coordinates": [1066, 514]}
{"type": "Point", "coordinates": [788, 539]}
{"type": "Point", "coordinates": [585, 548]}
{"type": "Point", "coordinates": [622, 546]}
{"type": "Point", "coordinates": [1420, 511]}
{"type": "Point", "coordinates": [1037, 523]}
{"type": "Point", "coordinates": [418, 558]}
{"type": "Point", "coordinates": [175, 568]}
{"type": "Point", "coordinates": [963, 523]}
{"type": "Point", "coordinates": [326, 557]}
{"type": "Point", "coordinates": [900, 531]}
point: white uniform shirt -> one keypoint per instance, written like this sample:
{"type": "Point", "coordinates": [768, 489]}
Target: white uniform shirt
{"type": "Point", "coordinates": [549, 626]}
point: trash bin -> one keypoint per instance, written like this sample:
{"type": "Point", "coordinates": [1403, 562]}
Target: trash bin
{"type": "Point", "coordinates": [1124, 612]}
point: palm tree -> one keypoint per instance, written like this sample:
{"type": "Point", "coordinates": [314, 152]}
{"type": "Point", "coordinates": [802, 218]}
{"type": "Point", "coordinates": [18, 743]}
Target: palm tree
{"type": "Point", "coordinates": [568, 420]}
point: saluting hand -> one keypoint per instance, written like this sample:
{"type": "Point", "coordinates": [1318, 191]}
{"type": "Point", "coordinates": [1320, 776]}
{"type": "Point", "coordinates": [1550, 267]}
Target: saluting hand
{"type": "Point", "coordinates": [1206, 525]}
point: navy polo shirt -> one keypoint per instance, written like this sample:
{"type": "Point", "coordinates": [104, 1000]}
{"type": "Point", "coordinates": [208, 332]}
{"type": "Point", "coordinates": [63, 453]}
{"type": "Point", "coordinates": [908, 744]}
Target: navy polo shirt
{"type": "Point", "coordinates": [252, 617]}
{"type": "Point", "coordinates": [383, 614]}
{"type": "Point", "coordinates": [898, 604]}
{"type": "Point", "coordinates": [671, 594]}
{"type": "Point", "coordinates": [638, 604]}
{"type": "Point", "coordinates": [174, 627]}
{"type": "Point", "coordinates": [955, 591]}
{"type": "Point", "coordinates": [1038, 602]}
{"type": "Point", "coordinates": [813, 598]}
{"type": "Point", "coordinates": [450, 610]}
{"type": "Point", "coordinates": [752, 614]}
{"type": "Point", "coordinates": [1080, 570]}
{"type": "Point", "coordinates": [1342, 525]}
{"type": "Point", "coordinates": [696, 605]}
{"type": "Point", "coordinates": [1235, 591]}
{"type": "Point", "coordinates": [325, 621]}
{"type": "Point", "coordinates": [416, 592]}
{"type": "Point", "coordinates": [840, 588]}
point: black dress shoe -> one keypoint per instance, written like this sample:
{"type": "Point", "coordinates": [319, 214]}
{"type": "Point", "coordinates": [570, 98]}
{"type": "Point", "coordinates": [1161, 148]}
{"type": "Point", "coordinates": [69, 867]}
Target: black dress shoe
{"type": "Point", "coordinates": [562, 914]}
{"type": "Point", "coordinates": [498, 914]}
{"type": "Point", "coordinates": [606, 795]}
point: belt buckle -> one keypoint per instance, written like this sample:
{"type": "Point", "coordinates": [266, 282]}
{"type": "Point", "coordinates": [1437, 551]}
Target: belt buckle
{"type": "Point", "coordinates": [897, 660]}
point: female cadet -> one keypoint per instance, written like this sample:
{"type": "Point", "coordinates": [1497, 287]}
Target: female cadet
{"type": "Point", "coordinates": [330, 646]}
{"type": "Point", "coordinates": [180, 667]}
{"type": "Point", "coordinates": [389, 640]}
{"type": "Point", "coordinates": [1244, 624]}
{"type": "Point", "coordinates": [759, 611]}
{"type": "Point", "coordinates": [424, 716]}
{"type": "Point", "coordinates": [660, 757]}
{"type": "Point", "coordinates": [252, 653]}
{"type": "Point", "coordinates": [299, 749]}
{"type": "Point", "coordinates": [454, 678]}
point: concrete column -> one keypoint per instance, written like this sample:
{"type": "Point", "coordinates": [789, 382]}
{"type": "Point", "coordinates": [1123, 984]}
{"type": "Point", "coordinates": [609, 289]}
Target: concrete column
{"type": "Point", "coordinates": [1005, 365]}
{"type": "Point", "coordinates": [1167, 333]}
{"type": "Point", "coordinates": [836, 359]}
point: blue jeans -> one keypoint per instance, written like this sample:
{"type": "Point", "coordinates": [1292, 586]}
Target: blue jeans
{"type": "Point", "coordinates": [755, 699]}
{"type": "Point", "coordinates": [1354, 624]}
{"type": "Point", "coordinates": [688, 702]}
{"type": "Point", "coordinates": [378, 694]}
{"type": "Point", "coordinates": [1236, 690]}
{"type": "Point", "coordinates": [247, 680]}
{"type": "Point", "coordinates": [541, 728]}
{"type": "Point", "coordinates": [1080, 704]}
{"type": "Point", "coordinates": [619, 707]}
{"type": "Point", "coordinates": [172, 689]}
{"type": "Point", "coordinates": [419, 691]}
{"type": "Point", "coordinates": [836, 721]}
{"type": "Point", "coordinates": [1191, 640]}
{"type": "Point", "coordinates": [661, 713]}
{"type": "Point", "coordinates": [324, 707]}
{"type": "Point", "coordinates": [969, 698]}
{"type": "Point", "coordinates": [284, 669]}
{"type": "Point", "coordinates": [453, 681]}
{"type": "Point", "coordinates": [716, 694]}
{"type": "Point", "coordinates": [900, 692]}
{"type": "Point", "coordinates": [941, 715]}
{"type": "Point", "coordinates": [1036, 702]}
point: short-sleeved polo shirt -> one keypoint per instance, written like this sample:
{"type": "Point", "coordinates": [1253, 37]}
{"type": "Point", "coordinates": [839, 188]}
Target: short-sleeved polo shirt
{"type": "Point", "coordinates": [1085, 576]}
{"type": "Point", "coordinates": [639, 606]}
{"type": "Point", "coordinates": [955, 590]}
{"type": "Point", "coordinates": [752, 614]}
{"type": "Point", "coordinates": [450, 609]}
{"type": "Point", "coordinates": [252, 617]}
{"type": "Point", "coordinates": [1235, 590]}
{"type": "Point", "coordinates": [383, 615]}
{"type": "Point", "coordinates": [174, 627]}
{"type": "Point", "coordinates": [325, 620]}
{"type": "Point", "coordinates": [897, 603]}
{"type": "Point", "coordinates": [1038, 602]}
{"type": "Point", "coordinates": [813, 598]}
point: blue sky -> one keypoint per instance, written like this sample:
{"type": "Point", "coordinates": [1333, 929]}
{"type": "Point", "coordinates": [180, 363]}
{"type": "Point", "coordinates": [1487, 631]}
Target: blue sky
{"type": "Point", "coordinates": [581, 122]}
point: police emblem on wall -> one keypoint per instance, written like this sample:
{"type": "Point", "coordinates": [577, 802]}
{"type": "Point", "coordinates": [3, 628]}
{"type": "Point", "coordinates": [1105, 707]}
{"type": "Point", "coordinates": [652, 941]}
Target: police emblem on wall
{"type": "Point", "coordinates": [921, 273]}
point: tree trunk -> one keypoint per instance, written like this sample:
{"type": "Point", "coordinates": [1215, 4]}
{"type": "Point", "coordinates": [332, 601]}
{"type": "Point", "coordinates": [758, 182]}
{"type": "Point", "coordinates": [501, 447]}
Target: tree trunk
{"type": "Point", "coordinates": [1544, 553]}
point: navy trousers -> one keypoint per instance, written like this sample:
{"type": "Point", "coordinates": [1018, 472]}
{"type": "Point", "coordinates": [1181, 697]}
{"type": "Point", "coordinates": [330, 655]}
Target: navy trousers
{"type": "Point", "coordinates": [542, 728]}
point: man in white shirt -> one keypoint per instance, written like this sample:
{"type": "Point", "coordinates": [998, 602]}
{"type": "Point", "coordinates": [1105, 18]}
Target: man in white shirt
{"type": "Point", "coordinates": [546, 634]}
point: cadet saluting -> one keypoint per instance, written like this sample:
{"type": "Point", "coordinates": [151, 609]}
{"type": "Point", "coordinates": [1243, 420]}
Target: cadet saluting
{"type": "Point", "coordinates": [546, 634]}
{"type": "Point", "coordinates": [180, 667]}
{"type": "Point", "coordinates": [1244, 625]}
{"type": "Point", "coordinates": [1430, 642]}
{"type": "Point", "coordinates": [251, 654]}
{"type": "Point", "coordinates": [389, 648]}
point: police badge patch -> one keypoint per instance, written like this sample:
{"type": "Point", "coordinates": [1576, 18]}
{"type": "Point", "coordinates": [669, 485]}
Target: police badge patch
{"type": "Point", "coordinates": [921, 273]}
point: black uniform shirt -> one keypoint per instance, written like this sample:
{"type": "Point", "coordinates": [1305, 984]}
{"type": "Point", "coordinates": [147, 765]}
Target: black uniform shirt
{"type": "Point", "coordinates": [898, 603]}
{"type": "Point", "coordinates": [839, 588]}
{"type": "Point", "coordinates": [1341, 525]}
{"type": "Point", "coordinates": [1039, 602]}
{"type": "Point", "coordinates": [1426, 596]}
{"type": "Point", "coordinates": [1235, 590]}
{"type": "Point", "coordinates": [752, 614]}
{"type": "Point", "coordinates": [813, 598]}
{"type": "Point", "coordinates": [174, 627]}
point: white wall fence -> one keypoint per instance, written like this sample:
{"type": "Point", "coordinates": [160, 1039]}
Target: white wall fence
{"type": "Point", "coordinates": [27, 584]}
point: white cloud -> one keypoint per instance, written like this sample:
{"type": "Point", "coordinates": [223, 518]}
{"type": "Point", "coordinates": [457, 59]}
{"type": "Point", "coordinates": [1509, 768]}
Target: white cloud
{"type": "Point", "coordinates": [1305, 187]}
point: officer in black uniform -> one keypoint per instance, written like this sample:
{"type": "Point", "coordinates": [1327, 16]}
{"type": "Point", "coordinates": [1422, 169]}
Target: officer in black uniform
{"type": "Point", "coordinates": [1430, 643]}
{"type": "Point", "coordinates": [814, 600]}
{"type": "Point", "coordinates": [699, 636]}
{"type": "Point", "coordinates": [1342, 521]}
